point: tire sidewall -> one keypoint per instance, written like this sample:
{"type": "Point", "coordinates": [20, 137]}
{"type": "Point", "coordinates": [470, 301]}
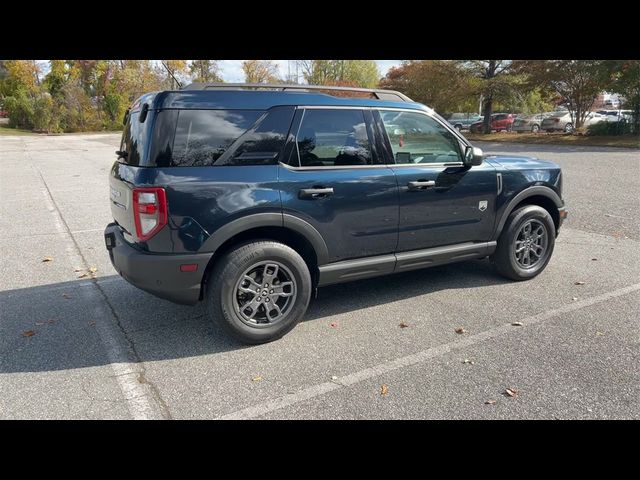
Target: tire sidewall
{"type": "Point", "coordinates": [515, 222]}
{"type": "Point", "coordinates": [234, 264]}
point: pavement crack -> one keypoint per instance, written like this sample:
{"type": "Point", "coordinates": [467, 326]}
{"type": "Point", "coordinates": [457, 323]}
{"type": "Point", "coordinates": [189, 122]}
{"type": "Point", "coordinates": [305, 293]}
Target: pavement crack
{"type": "Point", "coordinates": [63, 225]}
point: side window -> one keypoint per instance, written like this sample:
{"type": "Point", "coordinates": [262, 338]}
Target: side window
{"type": "Point", "coordinates": [418, 138]}
{"type": "Point", "coordinates": [203, 136]}
{"type": "Point", "coordinates": [328, 138]}
{"type": "Point", "coordinates": [262, 144]}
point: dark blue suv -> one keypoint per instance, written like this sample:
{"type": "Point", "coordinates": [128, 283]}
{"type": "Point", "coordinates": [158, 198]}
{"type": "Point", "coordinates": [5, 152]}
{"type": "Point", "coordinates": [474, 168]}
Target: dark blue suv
{"type": "Point", "coordinates": [250, 197]}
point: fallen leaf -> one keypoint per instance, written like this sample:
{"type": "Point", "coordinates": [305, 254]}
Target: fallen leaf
{"type": "Point", "coordinates": [384, 390]}
{"type": "Point", "coordinates": [490, 402]}
{"type": "Point", "coordinates": [333, 324]}
{"type": "Point", "coordinates": [594, 259]}
{"type": "Point", "coordinates": [66, 295]}
{"type": "Point", "coordinates": [39, 323]}
{"type": "Point", "coordinates": [574, 298]}
{"type": "Point", "coordinates": [28, 333]}
{"type": "Point", "coordinates": [334, 378]}
{"type": "Point", "coordinates": [78, 269]}
{"type": "Point", "coordinates": [91, 323]}
{"type": "Point", "coordinates": [51, 322]}
{"type": "Point", "coordinates": [460, 330]}
{"type": "Point", "coordinates": [47, 259]}
{"type": "Point", "coordinates": [257, 379]}
{"type": "Point", "coordinates": [84, 275]}
{"type": "Point", "coordinates": [93, 270]}
{"type": "Point", "coordinates": [597, 333]}
{"type": "Point", "coordinates": [517, 324]}
{"type": "Point", "coordinates": [511, 392]}
{"type": "Point", "coordinates": [470, 362]}
{"type": "Point", "coordinates": [403, 325]}
{"type": "Point", "coordinates": [579, 283]}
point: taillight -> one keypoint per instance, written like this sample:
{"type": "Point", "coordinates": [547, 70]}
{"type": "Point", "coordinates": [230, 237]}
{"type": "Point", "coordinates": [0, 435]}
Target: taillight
{"type": "Point", "coordinates": [149, 211]}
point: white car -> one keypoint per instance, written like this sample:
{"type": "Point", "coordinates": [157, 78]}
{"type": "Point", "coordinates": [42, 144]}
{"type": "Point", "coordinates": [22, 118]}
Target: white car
{"type": "Point", "coordinates": [562, 121]}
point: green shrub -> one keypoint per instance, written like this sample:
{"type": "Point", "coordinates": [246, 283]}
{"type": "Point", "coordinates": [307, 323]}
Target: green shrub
{"type": "Point", "coordinates": [609, 128]}
{"type": "Point", "coordinates": [20, 109]}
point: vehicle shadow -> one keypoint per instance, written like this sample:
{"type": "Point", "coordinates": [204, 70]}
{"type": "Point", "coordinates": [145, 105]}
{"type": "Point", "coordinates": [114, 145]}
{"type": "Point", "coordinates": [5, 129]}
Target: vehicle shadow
{"type": "Point", "coordinates": [64, 317]}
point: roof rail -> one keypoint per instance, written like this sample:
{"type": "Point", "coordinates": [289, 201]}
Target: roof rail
{"type": "Point", "coordinates": [378, 93]}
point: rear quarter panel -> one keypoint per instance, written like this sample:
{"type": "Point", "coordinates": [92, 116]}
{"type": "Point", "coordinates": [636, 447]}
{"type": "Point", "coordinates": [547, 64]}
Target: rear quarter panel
{"type": "Point", "coordinates": [202, 199]}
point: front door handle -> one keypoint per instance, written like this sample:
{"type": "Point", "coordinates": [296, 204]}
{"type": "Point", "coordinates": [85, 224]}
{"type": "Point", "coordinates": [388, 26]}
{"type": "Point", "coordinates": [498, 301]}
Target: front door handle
{"type": "Point", "coordinates": [319, 192]}
{"type": "Point", "coordinates": [421, 184]}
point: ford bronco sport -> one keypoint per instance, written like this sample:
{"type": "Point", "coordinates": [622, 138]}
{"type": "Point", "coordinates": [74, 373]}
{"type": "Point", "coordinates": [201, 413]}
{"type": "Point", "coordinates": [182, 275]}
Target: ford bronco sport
{"type": "Point", "coordinates": [249, 197]}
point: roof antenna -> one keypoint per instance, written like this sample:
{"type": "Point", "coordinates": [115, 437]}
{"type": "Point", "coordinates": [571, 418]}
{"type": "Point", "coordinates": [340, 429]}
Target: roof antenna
{"type": "Point", "coordinates": [171, 73]}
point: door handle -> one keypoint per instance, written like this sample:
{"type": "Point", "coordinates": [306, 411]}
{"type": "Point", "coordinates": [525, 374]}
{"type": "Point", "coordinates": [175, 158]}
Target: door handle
{"type": "Point", "coordinates": [421, 184]}
{"type": "Point", "coordinates": [319, 192]}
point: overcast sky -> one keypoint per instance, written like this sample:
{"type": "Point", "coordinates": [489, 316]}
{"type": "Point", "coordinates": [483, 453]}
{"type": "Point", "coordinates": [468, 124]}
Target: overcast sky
{"type": "Point", "coordinates": [231, 70]}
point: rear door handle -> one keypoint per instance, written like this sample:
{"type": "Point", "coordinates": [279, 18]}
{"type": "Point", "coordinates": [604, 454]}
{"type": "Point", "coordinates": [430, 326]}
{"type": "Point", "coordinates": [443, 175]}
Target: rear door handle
{"type": "Point", "coordinates": [319, 192]}
{"type": "Point", "coordinates": [421, 184]}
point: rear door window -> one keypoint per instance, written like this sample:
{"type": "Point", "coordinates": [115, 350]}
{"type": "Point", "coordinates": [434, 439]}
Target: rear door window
{"type": "Point", "coordinates": [333, 138]}
{"type": "Point", "coordinates": [203, 136]}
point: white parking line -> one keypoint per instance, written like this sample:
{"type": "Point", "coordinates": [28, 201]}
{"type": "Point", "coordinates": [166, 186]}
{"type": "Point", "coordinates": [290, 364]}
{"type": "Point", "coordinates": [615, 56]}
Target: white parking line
{"type": "Point", "coordinates": [129, 374]}
{"type": "Point", "coordinates": [409, 360]}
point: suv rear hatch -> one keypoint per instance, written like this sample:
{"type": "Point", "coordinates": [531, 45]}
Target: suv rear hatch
{"type": "Point", "coordinates": [131, 157]}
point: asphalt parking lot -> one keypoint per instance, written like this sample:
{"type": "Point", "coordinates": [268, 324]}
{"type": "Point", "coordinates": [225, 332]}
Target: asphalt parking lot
{"type": "Point", "coordinates": [76, 348]}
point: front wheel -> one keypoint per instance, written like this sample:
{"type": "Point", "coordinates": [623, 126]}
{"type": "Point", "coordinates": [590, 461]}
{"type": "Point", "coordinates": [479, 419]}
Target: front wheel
{"type": "Point", "coordinates": [259, 291]}
{"type": "Point", "coordinates": [568, 128]}
{"type": "Point", "coordinates": [525, 244]}
{"type": "Point", "coordinates": [535, 129]}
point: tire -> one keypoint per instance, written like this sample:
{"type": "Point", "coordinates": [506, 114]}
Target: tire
{"type": "Point", "coordinates": [535, 128]}
{"type": "Point", "coordinates": [505, 258]}
{"type": "Point", "coordinates": [568, 128]}
{"type": "Point", "coordinates": [228, 290]}
{"type": "Point", "coordinates": [458, 127]}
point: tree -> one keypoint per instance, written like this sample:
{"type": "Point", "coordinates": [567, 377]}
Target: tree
{"type": "Point", "coordinates": [626, 82]}
{"type": "Point", "coordinates": [205, 71]}
{"type": "Point", "coordinates": [443, 85]}
{"type": "Point", "coordinates": [496, 80]}
{"type": "Point", "coordinates": [577, 83]}
{"type": "Point", "coordinates": [359, 73]}
{"type": "Point", "coordinates": [260, 71]}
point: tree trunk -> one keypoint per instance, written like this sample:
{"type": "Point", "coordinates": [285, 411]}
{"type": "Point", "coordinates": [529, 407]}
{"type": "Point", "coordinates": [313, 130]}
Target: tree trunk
{"type": "Point", "coordinates": [488, 109]}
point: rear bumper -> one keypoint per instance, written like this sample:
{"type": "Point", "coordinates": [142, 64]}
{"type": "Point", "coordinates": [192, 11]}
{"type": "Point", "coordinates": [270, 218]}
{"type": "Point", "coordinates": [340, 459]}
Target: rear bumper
{"type": "Point", "coordinates": [158, 274]}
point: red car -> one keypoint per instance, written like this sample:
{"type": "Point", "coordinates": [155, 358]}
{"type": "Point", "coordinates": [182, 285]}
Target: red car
{"type": "Point", "coordinates": [499, 122]}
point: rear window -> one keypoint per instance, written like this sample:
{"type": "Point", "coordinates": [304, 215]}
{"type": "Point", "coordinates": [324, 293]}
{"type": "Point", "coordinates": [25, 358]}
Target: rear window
{"type": "Point", "coordinates": [203, 136]}
{"type": "Point", "coordinates": [134, 139]}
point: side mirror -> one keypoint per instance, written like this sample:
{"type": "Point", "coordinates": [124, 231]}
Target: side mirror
{"type": "Point", "coordinates": [473, 156]}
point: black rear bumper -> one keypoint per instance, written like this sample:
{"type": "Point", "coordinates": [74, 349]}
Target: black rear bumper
{"type": "Point", "coordinates": [158, 274]}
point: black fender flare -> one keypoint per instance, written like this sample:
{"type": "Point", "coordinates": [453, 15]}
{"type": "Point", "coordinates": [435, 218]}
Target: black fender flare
{"type": "Point", "coordinates": [268, 219]}
{"type": "Point", "coordinates": [538, 190]}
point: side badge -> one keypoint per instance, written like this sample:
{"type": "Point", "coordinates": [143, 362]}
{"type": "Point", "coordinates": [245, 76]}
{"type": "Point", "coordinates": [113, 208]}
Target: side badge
{"type": "Point", "coordinates": [482, 206]}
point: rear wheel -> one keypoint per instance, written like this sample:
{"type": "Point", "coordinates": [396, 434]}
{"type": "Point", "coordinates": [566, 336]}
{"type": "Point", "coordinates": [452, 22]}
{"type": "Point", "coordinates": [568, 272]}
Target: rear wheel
{"type": "Point", "coordinates": [568, 128]}
{"type": "Point", "coordinates": [535, 129]}
{"type": "Point", "coordinates": [525, 244]}
{"type": "Point", "coordinates": [458, 127]}
{"type": "Point", "coordinates": [259, 291]}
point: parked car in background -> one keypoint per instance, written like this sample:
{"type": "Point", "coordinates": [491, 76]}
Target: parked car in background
{"type": "Point", "coordinates": [462, 121]}
{"type": "Point", "coordinates": [3, 113]}
{"type": "Point", "coordinates": [499, 122]}
{"type": "Point", "coordinates": [616, 115]}
{"type": "Point", "coordinates": [529, 123]}
{"type": "Point", "coordinates": [562, 121]}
